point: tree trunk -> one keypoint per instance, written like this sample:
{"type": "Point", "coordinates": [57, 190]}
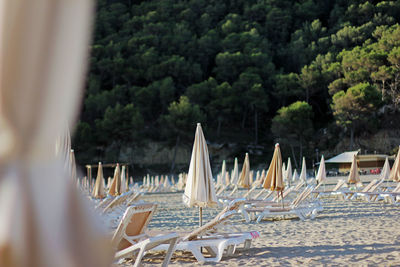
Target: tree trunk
{"type": "Point", "coordinates": [256, 126]}
{"type": "Point", "coordinates": [178, 138]}
{"type": "Point", "coordinates": [294, 156]}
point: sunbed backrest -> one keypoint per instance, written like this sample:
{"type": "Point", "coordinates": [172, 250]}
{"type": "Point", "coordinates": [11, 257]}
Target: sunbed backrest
{"type": "Point", "coordinates": [221, 217]}
{"type": "Point", "coordinates": [133, 223]}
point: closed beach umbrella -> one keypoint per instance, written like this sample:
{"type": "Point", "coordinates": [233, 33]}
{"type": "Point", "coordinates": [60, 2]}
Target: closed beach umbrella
{"type": "Point", "coordinates": [244, 179]}
{"type": "Point", "coordinates": [303, 173]}
{"type": "Point", "coordinates": [223, 173]}
{"type": "Point", "coordinates": [167, 184]}
{"type": "Point", "coordinates": [199, 190]}
{"type": "Point", "coordinates": [124, 187]}
{"type": "Point", "coordinates": [321, 174]}
{"type": "Point", "coordinates": [385, 173]}
{"type": "Point", "coordinates": [354, 177]}
{"type": "Point", "coordinates": [43, 219]}
{"type": "Point", "coordinates": [289, 173]}
{"type": "Point", "coordinates": [72, 164]}
{"type": "Point", "coordinates": [295, 176]}
{"type": "Point", "coordinates": [274, 179]}
{"type": "Point", "coordinates": [98, 191]}
{"type": "Point", "coordinates": [284, 171]}
{"type": "Point", "coordinates": [235, 173]}
{"type": "Point", "coordinates": [395, 172]}
{"type": "Point", "coordinates": [115, 188]}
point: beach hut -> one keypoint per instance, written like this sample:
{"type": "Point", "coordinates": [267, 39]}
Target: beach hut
{"type": "Point", "coordinates": [199, 190]}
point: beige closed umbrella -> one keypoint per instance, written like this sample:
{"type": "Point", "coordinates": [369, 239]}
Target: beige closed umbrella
{"type": "Point", "coordinates": [321, 174]}
{"type": "Point", "coordinates": [44, 221]}
{"type": "Point", "coordinates": [199, 189]}
{"type": "Point", "coordinates": [354, 177]}
{"type": "Point", "coordinates": [98, 191]}
{"type": "Point", "coordinates": [72, 165]}
{"type": "Point", "coordinates": [235, 173]}
{"type": "Point", "coordinates": [395, 172]}
{"type": "Point", "coordinates": [244, 179]}
{"type": "Point", "coordinates": [115, 188]}
{"type": "Point", "coordinates": [274, 179]}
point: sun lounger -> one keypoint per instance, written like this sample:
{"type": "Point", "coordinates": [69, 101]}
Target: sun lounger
{"type": "Point", "coordinates": [210, 238]}
{"type": "Point", "coordinates": [339, 185]}
{"type": "Point", "coordinates": [298, 207]}
{"type": "Point", "coordinates": [126, 198]}
{"type": "Point", "coordinates": [392, 197]}
{"type": "Point", "coordinates": [130, 239]}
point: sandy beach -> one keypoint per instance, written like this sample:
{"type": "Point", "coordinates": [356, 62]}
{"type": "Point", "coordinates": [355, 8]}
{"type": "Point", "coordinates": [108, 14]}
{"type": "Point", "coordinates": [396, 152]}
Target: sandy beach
{"type": "Point", "coordinates": [344, 233]}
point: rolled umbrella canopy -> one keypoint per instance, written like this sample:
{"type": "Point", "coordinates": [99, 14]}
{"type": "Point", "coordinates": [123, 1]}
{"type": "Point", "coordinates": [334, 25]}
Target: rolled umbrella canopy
{"type": "Point", "coordinates": [289, 174]}
{"type": "Point", "coordinates": [321, 174]}
{"type": "Point", "coordinates": [200, 190]}
{"type": "Point", "coordinates": [295, 176]}
{"type": "Point", "coordinates": [115, 188]}
{"type": "Point", "coordinates": [395, 172]}
{"type": "Point", "coordinates": [274, 179]}
{"type": "Point", "coordinates": [124, 186]}
{"type": "Point", "coordinates": [235, 173]}
{"type": "Point", "coordinates": [354, 177]}
{"type": "Point", "coordinates": [98, 191]}
{"type": "Point", "coordinates": [72, 165]}
{"type": "Point", "coordinates": [385, 173]}
{"type": "Point", "coordinates": [244, 179]}
{"type": "Point", "coordinates": [284, 171]}
{"type": "Point", "coordinates": [303, 173]}
{"type": "Point", "coordinates": [44, 221]}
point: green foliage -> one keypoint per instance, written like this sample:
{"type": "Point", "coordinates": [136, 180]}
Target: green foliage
{"type": "Point", "coordinates": [355, 107]}
{"type": "Point", "coordinates": [231, 65]}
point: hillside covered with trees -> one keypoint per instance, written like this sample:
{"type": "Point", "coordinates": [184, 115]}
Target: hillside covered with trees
{"type": "Point", "coordinates": [305, 73]}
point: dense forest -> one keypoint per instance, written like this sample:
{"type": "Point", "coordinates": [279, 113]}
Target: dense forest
{"type": "Point", "coordinates": [305, 73]}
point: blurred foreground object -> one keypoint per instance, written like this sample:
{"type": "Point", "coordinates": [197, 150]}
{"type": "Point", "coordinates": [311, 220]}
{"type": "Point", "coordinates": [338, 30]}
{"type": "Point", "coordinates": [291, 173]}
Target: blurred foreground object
{"type": "Point", "coordinates": [43, 52]}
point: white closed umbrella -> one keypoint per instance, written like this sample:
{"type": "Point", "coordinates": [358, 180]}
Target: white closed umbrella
{"type": "Point", "coordinates": [123, 180]}
{"type": "Point", "coordinates": [200, 190]}
{"type": "Point", "coordinates": [44, 221]}
{"type": "Point", "coordinates": [321, 174]}
{"type": "Point", "coordinates": [385, 173]}
{"type": "Point", "coordinates": [235, 173]}
{"type": "Point", "coordinates": [289, 172]}
{"type": "Point", "coordinates": [295, 176]}
{"type": "Point", "coordinates": [303, 173]}
{"type": "Point", "coordinates": [395, 172]}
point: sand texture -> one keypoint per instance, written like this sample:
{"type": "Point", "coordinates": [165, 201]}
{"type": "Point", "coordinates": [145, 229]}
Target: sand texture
{"type": "Point", "coordinates": [344, 233]}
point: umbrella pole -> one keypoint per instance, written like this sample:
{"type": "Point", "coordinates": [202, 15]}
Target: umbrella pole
{"type": "Point", "coordinates": [200, 216]}
{"type": "Point", "coordinates": [281, 199]}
